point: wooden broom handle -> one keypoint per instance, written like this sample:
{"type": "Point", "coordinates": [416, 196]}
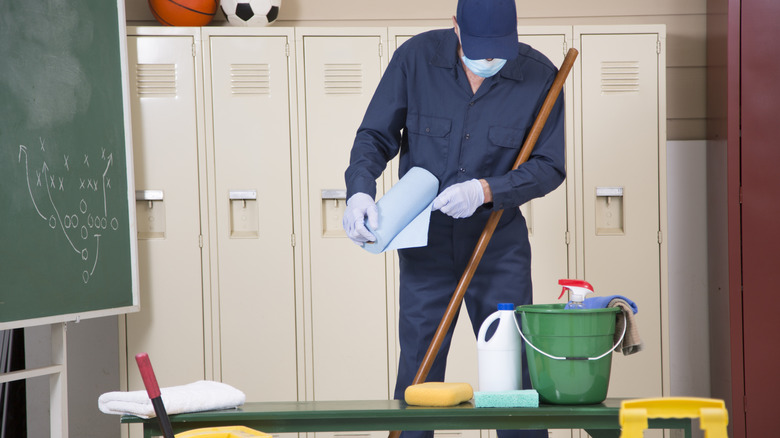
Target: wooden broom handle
{"type": "Point", "coordinates": [490, 226]}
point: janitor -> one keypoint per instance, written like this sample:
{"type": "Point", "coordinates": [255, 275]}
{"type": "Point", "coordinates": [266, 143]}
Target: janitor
{"type": "Point", "coordinates": [459, 103]}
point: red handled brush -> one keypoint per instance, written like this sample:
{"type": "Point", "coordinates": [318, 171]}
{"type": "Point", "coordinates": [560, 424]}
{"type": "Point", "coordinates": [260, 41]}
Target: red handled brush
{"type": "Point", "coordinates": [150, 382]}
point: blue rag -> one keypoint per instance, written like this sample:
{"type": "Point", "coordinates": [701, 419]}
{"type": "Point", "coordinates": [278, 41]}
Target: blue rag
{"type": "Point", "coordinates": [603, 302]}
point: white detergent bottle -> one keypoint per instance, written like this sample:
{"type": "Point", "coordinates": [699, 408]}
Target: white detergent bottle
{"type": "Point", "coordinates": [579, 289]}
{"type": "Point", "coordinates": [500, 363]}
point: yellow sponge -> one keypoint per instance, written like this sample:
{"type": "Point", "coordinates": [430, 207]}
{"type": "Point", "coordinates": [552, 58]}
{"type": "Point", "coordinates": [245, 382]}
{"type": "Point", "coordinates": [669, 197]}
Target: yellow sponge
{"type": "Point", "coordinates": [438, 394]}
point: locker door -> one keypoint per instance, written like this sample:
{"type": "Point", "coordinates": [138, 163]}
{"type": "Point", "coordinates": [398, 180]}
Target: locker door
{"type": "Point", "coordinates": [547, 217]}
{"type": "Point", "coordinates": [348, 285]}
{"type": "Point", "coordinates": [170, 324]}
{"type": "Point", "coordinates": [254, 215]}
{"type": "Point", "coordinates": [620, 168]}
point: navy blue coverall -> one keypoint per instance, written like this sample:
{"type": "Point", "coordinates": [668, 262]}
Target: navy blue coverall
{"type": "Point", "coordinates": [424, 109]}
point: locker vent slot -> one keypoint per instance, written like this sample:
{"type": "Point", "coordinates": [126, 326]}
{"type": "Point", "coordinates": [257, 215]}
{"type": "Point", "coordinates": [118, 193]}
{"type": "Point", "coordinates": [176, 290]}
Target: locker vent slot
{"type": "Point", "coordinates": [343, 79]}
{"type": "Point", "coordinates": [619, 77]}
{"type": "Point", "coordinates": [156, 80]}
{"type": "Point", "coordinates": [250, 79]}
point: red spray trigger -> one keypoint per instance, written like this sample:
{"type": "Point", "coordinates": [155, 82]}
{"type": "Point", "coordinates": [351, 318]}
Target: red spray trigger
{"type": "Point", "coordinates": [573, 283]}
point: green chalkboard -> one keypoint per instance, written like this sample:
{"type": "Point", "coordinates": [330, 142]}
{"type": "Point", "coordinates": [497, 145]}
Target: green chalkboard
{"type": "Point", "coordinates": [67, 221]}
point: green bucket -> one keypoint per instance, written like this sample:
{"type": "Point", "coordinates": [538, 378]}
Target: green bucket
{"type": "Point", "coordinates": [569, 351]}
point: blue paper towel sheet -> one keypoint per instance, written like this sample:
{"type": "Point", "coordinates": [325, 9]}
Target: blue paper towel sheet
{"type": "Point", "coordinates": [405, 212]}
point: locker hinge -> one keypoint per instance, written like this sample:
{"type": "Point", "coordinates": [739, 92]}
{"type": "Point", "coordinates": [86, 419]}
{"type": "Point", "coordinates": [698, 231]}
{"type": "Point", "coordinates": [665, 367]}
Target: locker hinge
{"type": "Point", "coordinates": [565, 47]}
{"type": "Point", "coordinates": [292, 240]}
{"type": "Point", "coordinates": [194, 50]}
{"type": "Point", "coordinates": [568, 238]}
{"type": "Point", "coordinates": [200, 240]}
{"type": "Point", "coordinates": [740, 195]}
{"type": "Point", "coordinates": [287, 49]}
{"type": "Point", "coordinates": [658, 47]}
{"type": "Point", "coordinates": [380, 49]}
{"type": "Point", "coordinates": [660, 237]}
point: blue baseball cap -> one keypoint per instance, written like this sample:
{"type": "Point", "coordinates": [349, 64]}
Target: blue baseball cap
{"type": "Point", "coordinates": [488, 28]}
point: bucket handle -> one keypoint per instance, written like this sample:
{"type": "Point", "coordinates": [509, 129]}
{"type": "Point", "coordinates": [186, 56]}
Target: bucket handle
{"type": "Point", "coordinates": [572, 358]}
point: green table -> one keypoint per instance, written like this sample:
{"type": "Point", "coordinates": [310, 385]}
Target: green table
{"type": "Point", "coordinates": [599, 420]}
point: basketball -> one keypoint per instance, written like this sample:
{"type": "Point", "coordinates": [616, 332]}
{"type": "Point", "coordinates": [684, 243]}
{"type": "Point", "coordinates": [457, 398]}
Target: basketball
{"type": "Point", "coordinates": [184, 12]}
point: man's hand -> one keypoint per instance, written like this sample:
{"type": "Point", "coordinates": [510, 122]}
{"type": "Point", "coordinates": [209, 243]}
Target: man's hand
{"type": "Point", "coordinates": [359, 208]}
{"type": "Point", "coordinates": [460, 200]}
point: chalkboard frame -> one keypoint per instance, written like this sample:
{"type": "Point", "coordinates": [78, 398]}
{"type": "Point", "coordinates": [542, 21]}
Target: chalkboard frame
{"type": "Point", "coordinates": [133, 291]}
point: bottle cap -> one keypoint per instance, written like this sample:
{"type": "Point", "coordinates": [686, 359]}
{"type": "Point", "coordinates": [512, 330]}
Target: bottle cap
{"type": "Point", "coordinates": [506, 306]}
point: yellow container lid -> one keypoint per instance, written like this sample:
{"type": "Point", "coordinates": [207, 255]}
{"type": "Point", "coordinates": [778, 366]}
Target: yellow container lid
{"type": "Point", "coordinates": [223, 432]}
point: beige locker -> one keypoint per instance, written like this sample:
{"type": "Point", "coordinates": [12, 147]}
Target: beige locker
{"type": "Point", "coordinates": [549, 218]}
{"type": "Point", "coordinates": [345, 287]}
{"type": "Point", "coordinates": [249, 154]}
{"type": "Point", "coordinates": [622, 158]}
{"type": "Point", "coordinates": [170, 325]}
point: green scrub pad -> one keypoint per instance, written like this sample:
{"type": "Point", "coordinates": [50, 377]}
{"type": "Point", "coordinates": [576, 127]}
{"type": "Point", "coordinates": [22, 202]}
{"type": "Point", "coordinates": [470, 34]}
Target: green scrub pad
{"type": "Point", "coordinates": [521, 398]}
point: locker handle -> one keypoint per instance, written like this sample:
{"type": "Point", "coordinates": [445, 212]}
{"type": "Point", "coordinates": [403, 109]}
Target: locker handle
{"type": "Point", "coordinates": [609, 191]}
{"type": "Point", "coordinates": [243, 195]}
{"type": "Point", "coordinates": [148, 195]}
{"type": "Point", "coordinates": [334, 194]}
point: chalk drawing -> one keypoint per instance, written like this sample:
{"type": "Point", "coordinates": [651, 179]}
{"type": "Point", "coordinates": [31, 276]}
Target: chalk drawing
{"type": "Point", "coordinates": [84, 224]}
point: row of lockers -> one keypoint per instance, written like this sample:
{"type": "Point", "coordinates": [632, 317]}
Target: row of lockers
{"type": "Point", "coordinates": [241, 138]}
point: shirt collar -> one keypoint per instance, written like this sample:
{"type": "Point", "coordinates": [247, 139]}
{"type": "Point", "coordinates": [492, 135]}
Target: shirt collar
{"type": "Point", "coordinates": [513, 69]}
{"type": "Point", "coordinates": [446, 56]}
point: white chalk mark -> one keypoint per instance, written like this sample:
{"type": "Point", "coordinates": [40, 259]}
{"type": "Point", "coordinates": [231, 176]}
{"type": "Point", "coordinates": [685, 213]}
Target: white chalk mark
{"type": "Point", "coordinates": [59, 219]}
{"type": "Point", "coordinates": [86, 159]}
{"type": "Point", "coordinates": [23, 148]}
{"type": "Point", "coordinates": [42, 144]}
{"type": "Point", "coordinates": [110, 161]}
{"type": "Point", "coordinates": [97, 253]}
{"type": "Point", "coordinates": [66, 162]}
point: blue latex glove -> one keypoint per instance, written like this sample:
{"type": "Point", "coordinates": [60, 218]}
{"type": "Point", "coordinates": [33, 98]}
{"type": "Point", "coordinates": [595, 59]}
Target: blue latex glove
{"type": "Point", "coordinates": [460, 200]}
{"type": "Point", "coordinates": [360, 207]}
{"type": "Point", "coordinates": [603, 302]}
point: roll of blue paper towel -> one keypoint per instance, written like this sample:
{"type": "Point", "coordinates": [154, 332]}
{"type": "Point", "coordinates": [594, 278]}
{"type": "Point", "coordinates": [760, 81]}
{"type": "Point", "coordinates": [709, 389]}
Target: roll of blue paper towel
{"type": "Point", "coordinates": [405, 212]}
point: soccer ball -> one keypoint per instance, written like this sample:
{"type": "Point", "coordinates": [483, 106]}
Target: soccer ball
{"type": "Point", "coordinates": [251, 12]}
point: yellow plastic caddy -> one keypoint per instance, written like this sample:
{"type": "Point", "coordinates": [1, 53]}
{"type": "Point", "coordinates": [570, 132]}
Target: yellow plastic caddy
{"type": "Point", "coordinates": [223, 432]}
{"type": "Point", "coordinates": [712, 414]}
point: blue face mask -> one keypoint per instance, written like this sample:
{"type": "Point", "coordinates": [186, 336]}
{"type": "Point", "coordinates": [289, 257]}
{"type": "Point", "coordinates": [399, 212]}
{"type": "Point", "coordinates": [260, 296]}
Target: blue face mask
{"type": "Point", "coordinates": [483, 67]}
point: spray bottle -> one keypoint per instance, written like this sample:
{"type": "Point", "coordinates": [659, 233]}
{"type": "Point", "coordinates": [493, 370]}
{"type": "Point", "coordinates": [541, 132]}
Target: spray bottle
{"type": "Point", "coordinates": [579, 289]}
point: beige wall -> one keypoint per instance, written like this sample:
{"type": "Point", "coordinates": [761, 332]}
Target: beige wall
{"type": "Point", "coordinates": [685, 21]}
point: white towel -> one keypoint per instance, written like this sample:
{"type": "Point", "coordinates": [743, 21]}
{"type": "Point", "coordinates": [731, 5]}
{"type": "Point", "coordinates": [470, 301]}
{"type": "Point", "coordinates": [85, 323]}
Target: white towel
{"type": "Point", "coordinates": [203, 395]}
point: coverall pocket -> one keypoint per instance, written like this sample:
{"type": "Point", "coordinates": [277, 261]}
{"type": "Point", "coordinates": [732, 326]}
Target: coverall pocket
{"type": "Point", "coordinates": [506, 137]}
{"type": "Point", "coordinates": [505, 145]}
{"type": "Point", "coordinates": [429, 140]}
